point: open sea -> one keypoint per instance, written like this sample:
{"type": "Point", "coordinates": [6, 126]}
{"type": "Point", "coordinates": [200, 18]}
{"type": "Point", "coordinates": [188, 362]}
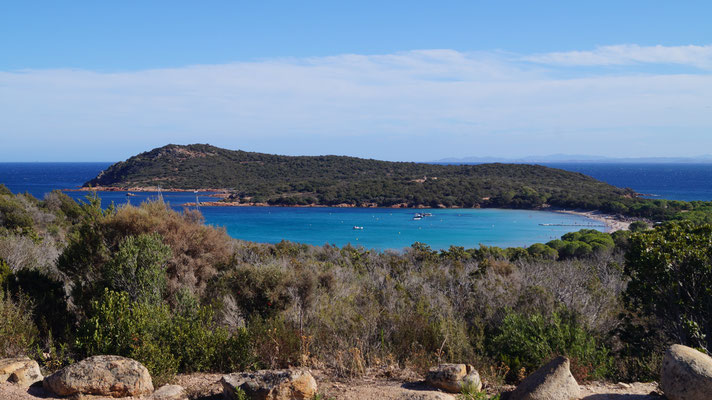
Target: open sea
{"type": "Point", "coordinates": [384, 228]}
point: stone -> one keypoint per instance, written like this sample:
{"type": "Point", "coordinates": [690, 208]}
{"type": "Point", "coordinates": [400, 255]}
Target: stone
{"type": "Point", "coordinates": [553, 381]}
{"type": "Point", "coordinates": [103, 376]}
{"type": "Point", "coordinates": [282, 384]}
{"type": "Point", "coordinates": [686, 374]}
{"type": "Point", "coordinates": [170, 392]}
{"type": "Point", "coordinates": [427, 396]}
{"type": "Point", "coordinates": [453, 378]}
{"type": "Point", "coordinates": [20, 371]}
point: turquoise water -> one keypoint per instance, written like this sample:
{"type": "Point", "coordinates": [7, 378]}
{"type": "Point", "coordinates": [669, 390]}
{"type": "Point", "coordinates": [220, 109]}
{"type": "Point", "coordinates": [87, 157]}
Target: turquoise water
{"type": "Point", "coordinates": [393, 228]}
{"type": "Point", "coordinates": [383, 228]}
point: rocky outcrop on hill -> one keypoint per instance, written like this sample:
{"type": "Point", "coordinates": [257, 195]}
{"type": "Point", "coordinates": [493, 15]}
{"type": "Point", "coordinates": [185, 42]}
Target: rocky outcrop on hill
{"type": "Point", "coordinates": [101, 375]}
{"type": "Point", "coordinates": [21, 371]}
{"type": "Point", "coordinates": [686, 374]}
{"type": "Point", "coordinates": [553, 381]}
{"type": "Point", "coordinates": [270, 385]}
{"type": "Point", "coordinates": [453, 378]}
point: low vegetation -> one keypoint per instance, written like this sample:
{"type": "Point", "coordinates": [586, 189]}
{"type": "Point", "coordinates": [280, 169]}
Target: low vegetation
{"type": "Point", "coordinates": [161, 287]}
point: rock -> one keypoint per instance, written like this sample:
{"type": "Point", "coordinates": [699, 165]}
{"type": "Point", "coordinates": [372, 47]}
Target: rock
{"type": "Point", "coordinates": [550, 382]}
{"type": "Point", "coordinates": [21, 371]}
{"type": "Point", "coordinates": [170, 392]}
{"type": "Point", "coordinates": [686, 374]}
{"type": "Point", "coordinates": [453, 377]}
{"type": "Point", "coordinates": [101, 375]}
{"type": "Point", "coordinates": [427, 396]}
{"type": "Point", "coordinates": [270, 385]}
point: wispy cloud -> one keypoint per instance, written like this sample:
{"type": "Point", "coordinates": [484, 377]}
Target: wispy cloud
{"type": "Point", "coordinates": [628, 54]}
{"type": "Point", "coordinates": [418, 105]}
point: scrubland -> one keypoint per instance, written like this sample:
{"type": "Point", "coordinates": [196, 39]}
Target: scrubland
{"type": "Point", "coordinates": [162, 287]}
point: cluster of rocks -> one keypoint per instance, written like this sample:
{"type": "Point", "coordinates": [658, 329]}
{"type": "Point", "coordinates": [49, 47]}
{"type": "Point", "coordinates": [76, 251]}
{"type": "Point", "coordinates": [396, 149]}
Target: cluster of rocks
{"type": "Point", "coordinates": [115, 376]}
{"type": "Point", "coordinates": [553, 381]}
{"type": "Point", "coordinates": [686, 374]}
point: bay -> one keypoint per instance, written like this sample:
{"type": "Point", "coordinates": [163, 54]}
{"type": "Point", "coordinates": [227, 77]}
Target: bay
{"type": "Point", "coordinates": [383, 228]}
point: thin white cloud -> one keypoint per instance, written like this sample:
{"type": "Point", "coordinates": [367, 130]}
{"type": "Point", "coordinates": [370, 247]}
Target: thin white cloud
{"type": "Point", "coordinates": [628, 54]}
{"type": "Point", "coordinates": [418, 105]}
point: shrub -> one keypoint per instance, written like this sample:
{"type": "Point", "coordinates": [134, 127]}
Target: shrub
{"type": "Point", "coordinates": [671, 276]}
{"type": "Point", "coordinates": [164, 342]}
{"type": "Point", "coordinates": [14, 215]}
{"type": "Point", "coordinates": [139, 268]}
{"type": "Point", "coordinates": [198, 250]}
{"type": "Point", "coordinates": [277, 343]}
{"type": "Point", "coordinates": [18, 333]}
{"type": "Point", "coordinates": [638, 226]}
{"type": "Point", "coordinates": [528, 341]}
{"type": "Point", "coordinates": [48, 299]}
{"type": "Point", "coordinates": [539, 250]}
{"type": "Point", "coordinates": [5, 273]}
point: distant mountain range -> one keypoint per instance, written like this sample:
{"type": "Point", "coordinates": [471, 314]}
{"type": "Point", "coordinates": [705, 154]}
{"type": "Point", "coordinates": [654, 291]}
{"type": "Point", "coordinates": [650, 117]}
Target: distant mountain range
{"type": "Point", "coordinates": [574, 158]}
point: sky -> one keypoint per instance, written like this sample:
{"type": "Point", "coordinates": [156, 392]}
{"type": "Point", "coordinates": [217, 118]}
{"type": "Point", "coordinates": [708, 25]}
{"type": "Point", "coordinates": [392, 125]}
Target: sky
{"type": "Point", "coordinates": [395, 80]}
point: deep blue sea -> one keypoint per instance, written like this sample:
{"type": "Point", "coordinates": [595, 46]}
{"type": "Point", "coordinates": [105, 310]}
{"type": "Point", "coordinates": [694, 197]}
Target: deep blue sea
{"type": "Point", "coordinates": [383, 228]}
{"type": "Point", "coordinates": [686, 182]}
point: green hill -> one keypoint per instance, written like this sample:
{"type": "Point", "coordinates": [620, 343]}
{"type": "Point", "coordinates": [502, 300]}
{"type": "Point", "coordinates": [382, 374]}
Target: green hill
{"type": "Point", "coordinates": [331, 180]}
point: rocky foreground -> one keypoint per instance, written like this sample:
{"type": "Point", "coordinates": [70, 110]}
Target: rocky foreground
{"type": "Point", "coordinates": [686, 375]}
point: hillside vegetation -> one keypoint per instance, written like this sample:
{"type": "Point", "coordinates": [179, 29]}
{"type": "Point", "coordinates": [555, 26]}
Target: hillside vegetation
{"type": "Point", "coordinates": [160, 286]}
{"type": "Point", "coordinates": [332, 180]}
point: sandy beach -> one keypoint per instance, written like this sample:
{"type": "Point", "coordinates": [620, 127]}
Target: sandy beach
{"type": "Point", "coordinates": [613, 222]}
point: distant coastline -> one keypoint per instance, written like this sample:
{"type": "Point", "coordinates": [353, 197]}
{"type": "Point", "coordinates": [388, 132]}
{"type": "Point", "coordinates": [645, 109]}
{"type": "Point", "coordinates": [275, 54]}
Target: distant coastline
{"type": "Point", "coordinates": [612, 222]}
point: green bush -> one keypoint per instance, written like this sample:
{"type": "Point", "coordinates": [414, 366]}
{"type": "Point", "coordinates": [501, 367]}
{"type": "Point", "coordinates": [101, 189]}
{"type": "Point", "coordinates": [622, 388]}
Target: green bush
{"type": "Point", "coordinates": [18, 333]}
{"type": "Point", "coordinates": [5, 273]}
{"type": "Point", "coordinates": [14, 215]}
{"type": "Point", "coordinates": [528, 341]}
{"type": "Point", "coordinates": [139, 268]}
{"type": "Point", "coordinates": [164, 342]}
{"type": "Point", "coordinates": [48, 298]}
{"type": "Point", "coordinates": [671, 280]}
{"type": "Point", "coordinates": [540, 250]}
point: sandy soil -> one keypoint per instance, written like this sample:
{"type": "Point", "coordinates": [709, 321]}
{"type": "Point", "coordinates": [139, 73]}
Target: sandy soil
{"type": "Point", "coordinates": [207, 387]}
{"type": "Point", "coordinates": [613, 222]}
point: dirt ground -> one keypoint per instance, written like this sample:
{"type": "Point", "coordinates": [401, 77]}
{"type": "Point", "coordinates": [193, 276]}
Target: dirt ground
{"type": "Point", "coordinates": [207, 387]}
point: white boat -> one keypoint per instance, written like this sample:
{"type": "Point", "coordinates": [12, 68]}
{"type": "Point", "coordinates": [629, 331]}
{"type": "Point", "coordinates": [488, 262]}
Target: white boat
{"type": "Point", "coordinates": [417, 217]}
{"type": "Point", "coordinates": [358, 228]}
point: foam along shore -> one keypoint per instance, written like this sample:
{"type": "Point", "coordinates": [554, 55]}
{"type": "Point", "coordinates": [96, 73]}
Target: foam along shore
{"type": "Point", "coordinates": [613, 222]}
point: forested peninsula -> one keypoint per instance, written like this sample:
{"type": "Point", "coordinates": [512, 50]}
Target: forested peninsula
{"type": "Point", "coordinates": [265, 179]}
{"type": "Point", "coordinates": [340, 180]}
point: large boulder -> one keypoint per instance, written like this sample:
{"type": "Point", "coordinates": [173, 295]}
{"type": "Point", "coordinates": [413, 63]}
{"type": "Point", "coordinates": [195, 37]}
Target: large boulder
{"type": "Point", "coordinates": [453, 378]}
{"type": "Point", "coordinates": [553, 381]}
{"type": "Point", "coordinates": [170, 392]}
{"type": "Point", "coordinates": [21, 371]}
{"type": "Point", "coordinates": [282, 384]}
{"type": "Point", "coordinates": [101, 375]}
{"type": "Point", "coordinates": [686, 374]}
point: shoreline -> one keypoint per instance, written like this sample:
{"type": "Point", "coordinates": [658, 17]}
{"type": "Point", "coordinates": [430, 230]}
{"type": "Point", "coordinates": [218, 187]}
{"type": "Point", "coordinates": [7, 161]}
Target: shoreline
{"type": "Point", "coordinates": [141, 189]}
{"type": "Point", "coordinates": [613, 222]}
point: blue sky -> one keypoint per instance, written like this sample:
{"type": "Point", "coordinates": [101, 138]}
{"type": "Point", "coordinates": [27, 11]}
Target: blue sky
{"type": "Point", "coordinates": [397, 80]}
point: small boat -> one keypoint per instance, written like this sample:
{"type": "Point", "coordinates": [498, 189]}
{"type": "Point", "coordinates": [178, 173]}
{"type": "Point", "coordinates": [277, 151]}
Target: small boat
{"type": "Point", "coordinates": [417, 217]}
{"type": "Point", "coordinates": [129, 194]}
{"type": "Point", "coordinates": [427, 214]}
{"type": "Point", "coordinates": [358, 228]}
